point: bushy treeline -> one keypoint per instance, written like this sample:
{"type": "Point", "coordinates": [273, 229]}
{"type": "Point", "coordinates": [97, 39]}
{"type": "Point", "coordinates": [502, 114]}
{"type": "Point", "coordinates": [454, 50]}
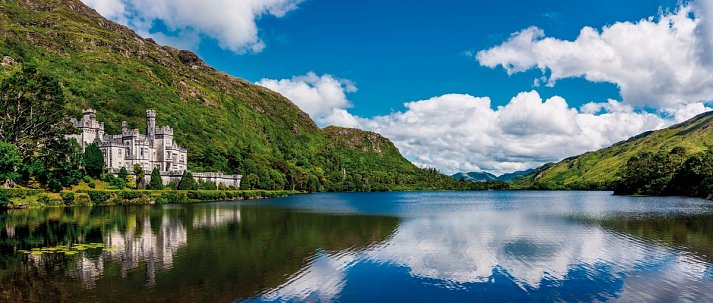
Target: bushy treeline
{"type": "Point", "coordinates": [676, 172]}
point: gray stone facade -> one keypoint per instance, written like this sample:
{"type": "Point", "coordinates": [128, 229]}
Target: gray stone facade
{"type": "Point", "coordinates": [155, 149]}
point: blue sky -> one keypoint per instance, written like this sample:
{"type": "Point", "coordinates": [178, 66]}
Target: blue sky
{"type": "Point", "coordinates": [399, 51]}
{"type": "Point", "coordinates": [493, 86]}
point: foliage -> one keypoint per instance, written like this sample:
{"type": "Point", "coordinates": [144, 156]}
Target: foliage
{"type": "Point", "coordinates": [91, 184]}
{"type": "Point", "coordinates": [207, 185]}
{"type": "Point", "coordinates": [9, 161]}
{"type": "Point", "coordinates": [93, 161]}
{"type": "Point", "coordinates": [187, 182]}
{"type": "Point", "coordinates": [98, 196]}
{"type": "Point", "coordinates": [667, 173]}
{"type": "Point", "coordinates": [33, 117]}
{"type": "Point", "coordinates": [4, 199]}
{"type": "Point", "coordinates": [68, 198]}
{"type": "Point", "coordinates": [63, 168]}
{"type": "Point", "coordinates": [139, 173]}
{"type": "Point", "coordinates": [156, 180]}
{"type": "Point", "coordinates": [123, 174]}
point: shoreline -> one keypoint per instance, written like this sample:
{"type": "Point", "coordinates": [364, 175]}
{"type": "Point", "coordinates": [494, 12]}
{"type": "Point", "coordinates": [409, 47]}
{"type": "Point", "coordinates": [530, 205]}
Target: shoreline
{"type": "Point", "coordinates": [37, 198]}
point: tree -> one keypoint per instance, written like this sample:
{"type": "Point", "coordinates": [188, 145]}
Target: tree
{"type": "Point", "coordinates": [32, 115]}
{"type": "Point", "coordinates": [123, 174]}
{"type": "Point", "coordinates": [93, 161]}
{"type": "Point", "coordinates": [9, 162]}
{"type": "Point", "coordinates": [156, 182]}
{"type": "Point", "coordinates": [4, 199]}
{"type": "Point", "coordinates": [313, 184]}
{"type": "Point", "coordinates": [62, 168]}
{"type": "Point", "coordinates": [139, 173]}
{"type": "Point", "coordinates": [187, 182]}
{"type": "Point", "coordinates": [251, 181]}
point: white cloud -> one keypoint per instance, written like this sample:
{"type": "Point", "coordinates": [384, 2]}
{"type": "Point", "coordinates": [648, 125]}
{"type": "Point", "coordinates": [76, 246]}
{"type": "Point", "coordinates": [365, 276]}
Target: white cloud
{"type": "Point", "coordinates": [658, 62]}
{"type": "Point", "coordinates": [464, 133]}
{"type": "Point", "coordinates": [112, 9]}
{"type": "Point", "coordinates": [231, 23]}
{"type": "Point", "coordinates": [458, 132]}
{"type": "Point", "coordinates": [324, 97]}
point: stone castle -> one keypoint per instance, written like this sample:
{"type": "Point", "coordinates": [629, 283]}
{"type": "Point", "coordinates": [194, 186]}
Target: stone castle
{"type": "Point", "coordinates": [155, 149]}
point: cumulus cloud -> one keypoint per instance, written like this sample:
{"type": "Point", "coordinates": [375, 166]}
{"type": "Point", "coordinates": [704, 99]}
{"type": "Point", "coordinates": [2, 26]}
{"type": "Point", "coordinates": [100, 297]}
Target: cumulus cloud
{"type": "Point", "coordinates": [660, 62]}
{"type": "Point", "coordinates": [231, 23]}
{"type": "Point", "coordinates": [465, 133]}
{"type": "Point", "coordinates": [324, 97]}
{"type": "Point", "coordinates": [457, 132]}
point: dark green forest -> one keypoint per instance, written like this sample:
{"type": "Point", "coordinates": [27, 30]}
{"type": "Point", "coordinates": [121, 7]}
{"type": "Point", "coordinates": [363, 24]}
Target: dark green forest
{"type": "Point", "coordinates": [673, 173]}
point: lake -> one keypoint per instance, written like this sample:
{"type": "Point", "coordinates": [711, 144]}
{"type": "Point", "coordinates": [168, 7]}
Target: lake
{"type": "Point", "coordinates": [419, 246]}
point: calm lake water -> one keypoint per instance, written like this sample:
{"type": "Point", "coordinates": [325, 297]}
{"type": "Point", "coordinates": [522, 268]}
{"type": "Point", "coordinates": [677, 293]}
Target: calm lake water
{"type": "Point", "coordinates": [439, 246]}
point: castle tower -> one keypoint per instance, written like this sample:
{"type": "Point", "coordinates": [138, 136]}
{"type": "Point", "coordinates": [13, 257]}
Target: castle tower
{"type": "Point", "coordinates": [151, 126]}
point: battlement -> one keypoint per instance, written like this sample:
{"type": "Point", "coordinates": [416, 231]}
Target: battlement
{"type": "Point", "coordinates": [151, 113]}
{"type": "Point", "coordinates": [164, 130]}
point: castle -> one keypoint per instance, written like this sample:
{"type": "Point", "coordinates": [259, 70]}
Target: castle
{"type": "Point", "coordinates": [155, 149]}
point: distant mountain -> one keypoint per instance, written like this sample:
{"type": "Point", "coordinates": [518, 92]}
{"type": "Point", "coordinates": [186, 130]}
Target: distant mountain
{"type": "Point", "coordinates": [484, 176]}
{"type": "Point", "coordinates": [514, 175]}
{"type": "Point", "coordinates": [475, 176]}
{"type": "Point", "coordinates": [598, 169]}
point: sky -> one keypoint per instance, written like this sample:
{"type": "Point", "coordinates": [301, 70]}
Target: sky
{"type": "Point", "coordinates": [493, 86]}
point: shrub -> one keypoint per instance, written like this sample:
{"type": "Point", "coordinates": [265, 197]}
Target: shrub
{"type": "Point", "coordinates": [92, 184]}
{"type": "Point", "coordinates": [68, 197]}
{"type": "Point", "coordinates": [208, 186]}
{"type": "Point", "coordinates": [130, 195]}
{"type": "Point", "coordinates": [44, 199]}
{"type": "Point", "coordinates": [4, 199]}
{"type": "Point", "coordinates": [173, 185]}
{"type": "Point", "coordinates": [22, 193]}
{"type": "Point", "coordinates": [82, 199]}
{"type": "Point", "coordinates": [87, 179]}
{"type": "Point", "coordinates": [172, 197]}
{"type": "Point", "coordinates": [98, 196]}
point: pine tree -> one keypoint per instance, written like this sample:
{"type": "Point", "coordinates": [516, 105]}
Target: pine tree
{"type": "Point", "coordinates": [187, 182]}
{"type": "Point", "coordinates": [156, 182]}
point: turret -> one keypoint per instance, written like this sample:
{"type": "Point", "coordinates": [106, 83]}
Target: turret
{"type": "Point", "coordinates": [151, 126]}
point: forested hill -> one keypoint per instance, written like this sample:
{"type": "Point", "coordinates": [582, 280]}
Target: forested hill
{"type": "Point", "coordinates": [602, 169]}
{"type": "Point", "coordinates": [227, 124]}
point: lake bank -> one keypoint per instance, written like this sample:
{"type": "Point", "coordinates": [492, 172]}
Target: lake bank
{"type": "Point", "coordinates": [38, 198]}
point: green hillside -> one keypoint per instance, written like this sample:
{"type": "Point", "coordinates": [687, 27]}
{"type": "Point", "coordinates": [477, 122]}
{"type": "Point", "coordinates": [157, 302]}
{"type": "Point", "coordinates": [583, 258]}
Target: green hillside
{"type": "Point", "coordinates": [227, 124]}
{"type": "Point", "coordinates": [597, 169]}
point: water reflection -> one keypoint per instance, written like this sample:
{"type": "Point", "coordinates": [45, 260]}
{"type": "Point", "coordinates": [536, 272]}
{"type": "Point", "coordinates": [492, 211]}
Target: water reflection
{"type": "Point", "coordinates": [209, 252]}
{"type": "Point", "coordinates": [569, 249]}
{"type": "Point", "coordinates": [512, 246]}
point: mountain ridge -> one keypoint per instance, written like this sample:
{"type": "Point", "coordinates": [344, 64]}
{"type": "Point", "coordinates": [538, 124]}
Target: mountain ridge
{"type": "Point", "coordinates": [598, 169]}
{"type": "Point", "coordinates": [485, 176]}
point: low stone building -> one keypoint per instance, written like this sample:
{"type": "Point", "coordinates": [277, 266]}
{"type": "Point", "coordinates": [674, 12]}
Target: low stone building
{"type": "Point", "coordinates": [155, 149]}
